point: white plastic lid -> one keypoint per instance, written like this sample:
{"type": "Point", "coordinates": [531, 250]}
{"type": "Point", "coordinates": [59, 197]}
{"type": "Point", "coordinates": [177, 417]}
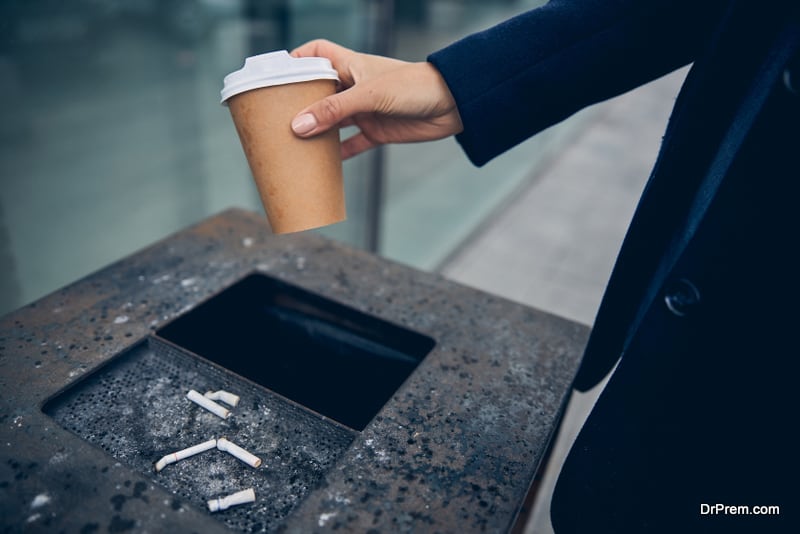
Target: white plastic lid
{"type": "Point", "coordinates": [276, 68]}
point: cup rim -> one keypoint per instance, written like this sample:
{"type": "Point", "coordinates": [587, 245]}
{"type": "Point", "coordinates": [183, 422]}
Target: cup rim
{"type": "Point", "coordinates": [275, 68]}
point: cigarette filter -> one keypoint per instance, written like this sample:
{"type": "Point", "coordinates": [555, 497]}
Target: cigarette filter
{"type": "Point", "coordinates": [225, 396]}
{"type": "Point", "coordinates": [208, 404]}
{"type": "Point", "coordinates": [240, 497]}
{"type": "Point", "coordinates": [235, 450]}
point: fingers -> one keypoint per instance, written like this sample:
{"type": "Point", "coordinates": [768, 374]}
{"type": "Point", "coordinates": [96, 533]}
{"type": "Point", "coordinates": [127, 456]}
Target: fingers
{"type": "Point", "coordinates": [331, 111]}
{"type": "Point", "coordinates": [355, 145]}
{"type": "Point", "coordinates": [339, 56]}
{"type": "Point", "coordinates": [319, 48]}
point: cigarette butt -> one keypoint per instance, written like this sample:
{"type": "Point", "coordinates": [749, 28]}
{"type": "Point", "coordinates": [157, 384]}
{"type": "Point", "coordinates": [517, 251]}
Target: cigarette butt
{"type": "Point", "coordinates": [225, 396]}
{"type": "Point", "coordinates": [185, 453]}
{"type": "Point", "coordinates": [208, 404]}
{"type": "Point", "coordinates": [235, 450]}
{"type": "Point", "coordinates": [240, 497]}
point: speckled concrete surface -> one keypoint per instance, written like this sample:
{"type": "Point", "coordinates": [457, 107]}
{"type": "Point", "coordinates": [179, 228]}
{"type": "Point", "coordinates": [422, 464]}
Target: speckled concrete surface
{"type": "Point", "coordinates": [454, 450]}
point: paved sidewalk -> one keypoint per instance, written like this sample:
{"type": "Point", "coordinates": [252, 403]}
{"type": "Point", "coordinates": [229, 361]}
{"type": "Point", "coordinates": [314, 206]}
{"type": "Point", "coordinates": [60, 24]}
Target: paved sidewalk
{"type": "Point", "coordinates": [553, 247]}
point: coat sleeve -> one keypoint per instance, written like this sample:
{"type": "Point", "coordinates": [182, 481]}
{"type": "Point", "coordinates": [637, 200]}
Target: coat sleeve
{"type": "Point", "coordinates": [534, 70]}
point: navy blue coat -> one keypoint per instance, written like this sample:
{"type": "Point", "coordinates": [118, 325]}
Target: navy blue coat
{"type": "Point", "coordinates": [701, 311]}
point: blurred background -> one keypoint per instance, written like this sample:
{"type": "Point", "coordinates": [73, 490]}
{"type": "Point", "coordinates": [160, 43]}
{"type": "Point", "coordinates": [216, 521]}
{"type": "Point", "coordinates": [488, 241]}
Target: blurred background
{"type": "Point", "coordinates": [112, 135]}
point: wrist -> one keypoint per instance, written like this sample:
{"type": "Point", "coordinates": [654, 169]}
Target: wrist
{"type": "Point", "coordinates": [446, 102]}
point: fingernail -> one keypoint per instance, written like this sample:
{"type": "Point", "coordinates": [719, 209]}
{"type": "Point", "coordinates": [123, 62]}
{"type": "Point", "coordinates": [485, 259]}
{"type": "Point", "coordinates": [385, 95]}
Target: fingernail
{"type": "Point", "coordinates": [302, 124]}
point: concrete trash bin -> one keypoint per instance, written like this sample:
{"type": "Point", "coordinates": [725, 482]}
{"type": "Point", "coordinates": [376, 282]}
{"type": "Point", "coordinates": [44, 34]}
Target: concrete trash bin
{"type": "Point", "coordinates": [373, 395]}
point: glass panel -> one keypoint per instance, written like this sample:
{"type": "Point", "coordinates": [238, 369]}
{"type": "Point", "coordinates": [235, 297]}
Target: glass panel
{"type": "Point", "coordinates": [112, 133]}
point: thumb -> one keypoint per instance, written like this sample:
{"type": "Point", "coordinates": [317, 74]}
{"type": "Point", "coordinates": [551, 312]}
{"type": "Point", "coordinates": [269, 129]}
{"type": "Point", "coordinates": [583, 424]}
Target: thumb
{"type": "Point", "coordinates": [324, 114]}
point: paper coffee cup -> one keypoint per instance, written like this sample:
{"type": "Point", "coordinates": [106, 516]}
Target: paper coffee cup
{"type": "Point", "coordinates": [299, 180]}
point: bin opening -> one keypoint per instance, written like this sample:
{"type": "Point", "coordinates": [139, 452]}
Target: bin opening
{"type": "Point", "coordinates": [333, 359]}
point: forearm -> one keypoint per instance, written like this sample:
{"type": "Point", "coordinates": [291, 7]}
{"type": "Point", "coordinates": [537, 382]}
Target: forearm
{"type": "Point", "coordinates": [534, 70]}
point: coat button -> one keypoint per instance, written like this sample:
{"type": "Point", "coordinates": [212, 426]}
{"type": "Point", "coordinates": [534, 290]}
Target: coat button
{"type": "Point", "coordinates": [790, 82]}
{"type": "Point", "coordinates": [681, 296]}
{"type": "Point", "coordinates": [791, 75]}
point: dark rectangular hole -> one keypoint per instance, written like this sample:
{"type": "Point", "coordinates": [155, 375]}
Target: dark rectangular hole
{"type": "Point", "coordinates": [337, 361]}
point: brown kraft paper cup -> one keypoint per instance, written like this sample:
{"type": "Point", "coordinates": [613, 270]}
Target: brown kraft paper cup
{"type": "Point", "coordinates": [299, 180]}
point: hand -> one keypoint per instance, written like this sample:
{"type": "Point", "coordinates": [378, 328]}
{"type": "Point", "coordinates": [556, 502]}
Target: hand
{"type": "Point", "coordinates": [390, 101]}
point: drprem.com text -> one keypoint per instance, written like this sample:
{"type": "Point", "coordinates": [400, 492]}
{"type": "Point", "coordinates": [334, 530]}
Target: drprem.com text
{"type": "Point", "coordinates": [742, 509]}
